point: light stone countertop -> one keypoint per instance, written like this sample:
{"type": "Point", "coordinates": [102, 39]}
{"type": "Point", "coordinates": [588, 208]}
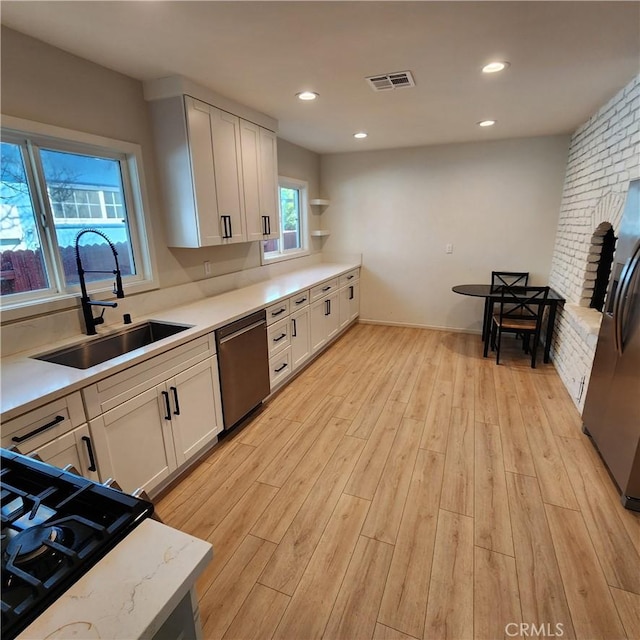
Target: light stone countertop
{"type": "Point", "coordinates": [131, 591]}
{"type": "Point", "coordinates": [27, 383]}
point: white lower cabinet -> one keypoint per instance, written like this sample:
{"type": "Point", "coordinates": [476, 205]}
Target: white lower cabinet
{"type": "Point", "coordinates": [324, 320]}
{"type": "Point", "coordinates": [194, 397]}
{"type": "Point", "coordinates": [134, 442]}
{"type": "Point", "coordinates": [141, 441]}
{"type": "Point", "coordinates": [300, 337]}
{"type": "Point", "coordinates": [280, 367]}
{"type": "Point", "coordinates": [278, 336]}
{"type": "Point", "coordinates": [74, 448]}
{"type": "Point", "coordinates": [349, 303]}
{"type": "Point", "coordinates": [57, 433]}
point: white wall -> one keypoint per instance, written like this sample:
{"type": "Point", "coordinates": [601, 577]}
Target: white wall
{"type": "Point", "coordinates": [496, 203]}
{"type": "Point", "coordinates": [604, 155]}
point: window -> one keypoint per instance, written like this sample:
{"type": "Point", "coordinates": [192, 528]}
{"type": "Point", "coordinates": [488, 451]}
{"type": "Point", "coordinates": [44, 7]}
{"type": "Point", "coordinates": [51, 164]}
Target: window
{"type": "Point", "coordinates": [293, 241]}
{"type": "Point", "coordinates": [51, 189]}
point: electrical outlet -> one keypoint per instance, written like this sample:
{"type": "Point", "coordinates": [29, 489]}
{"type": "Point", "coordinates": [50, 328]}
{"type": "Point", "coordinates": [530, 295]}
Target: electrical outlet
{"type": "Point", "coordinates": [448, 248]}
{"type": "Point", "coordinates": [207, 268]}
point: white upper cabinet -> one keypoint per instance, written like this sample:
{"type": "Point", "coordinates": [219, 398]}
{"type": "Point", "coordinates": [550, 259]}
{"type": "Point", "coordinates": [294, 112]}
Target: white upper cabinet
{"type": "Point", "coordinates": [218, 173]}
{"type": "Point", "coordinates": [270, 208]}
{"type": "Point", "coordinates": [260, 175]}
{"type": "Point", "coordinates": [227, 161]}
{"type": "Point", "coordinates": [250, 143]}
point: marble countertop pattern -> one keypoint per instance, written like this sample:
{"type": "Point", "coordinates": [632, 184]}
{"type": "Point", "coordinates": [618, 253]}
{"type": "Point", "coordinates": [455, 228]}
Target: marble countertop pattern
{"type": "Point", "coordinates": [130, 592]}
{"type": "Point", "coordinates": [27, 383]}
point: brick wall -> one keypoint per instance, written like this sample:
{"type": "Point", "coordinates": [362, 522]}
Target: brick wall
{"type": "Point", "coordinates": [604, 155]}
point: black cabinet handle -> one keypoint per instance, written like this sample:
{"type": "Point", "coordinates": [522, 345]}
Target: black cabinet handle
{"type": "Point", "coordinates": [92, 460]}
{"type": "Point", "coordinates": [326, 288]}
{"type": "Point", "coordinates": [35, 432]}
{"type": "Point", "coordinates": [228, 229]}
{"type": "Point", "coordinates": [301, 300]}
{"type": "Point", "coordinates": [265, 220]}
{"type": "Point", "coordinates": [284, 335]}
{"type": "Point", "coordinates": [279, 369]}
{"type": "Point", "coordinates": [327, 308]}
{"type": "Point", "coordinates": [277, 313]}
{"type": "Point", "coordinates": [165, 395]}
{"type": "Point", "coordinates": [329, 301]}
{"type": "Point", "coordinates": [350, 277]}
{"type": "Point", "coordinates": [295, 332]}
{"type": "Point", "coordinates": [175, 401]}
{"type": "Point", "coordinates": [268, 225]}
{"type": "Point", "coordinates": [351, 292]}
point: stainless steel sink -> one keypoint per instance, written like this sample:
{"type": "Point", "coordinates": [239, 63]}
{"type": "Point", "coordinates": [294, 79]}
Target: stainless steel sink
{"type": "Point", "coordinates": [88, 354]}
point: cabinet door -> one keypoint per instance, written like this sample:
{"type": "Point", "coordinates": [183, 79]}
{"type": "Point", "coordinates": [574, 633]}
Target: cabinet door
{"type": "Point", "coordinates": [332, 318]}
{"type": "Point", "coordinates": [354, 300]}
{"type": "Point", "coordinates": [225, 137]}
{"type": "Point", "coordinates": [269, 198]}
{"type": "Point", "coordinates": [349, 303]}
{"type": "Point", "coordinates": [318, 325]}
{"type": "Point", "coordinates": [250, 141]}
{"type": "Point", "coordinates": [196, 416]}
{"type": "Point", "coordinates": [133, 442]}
{"type": "Point", "coordinates": [202, 173]}
{"type": "Point", "coordinates": [74, 448]}
{"type": "Point", "coordinates": [300, 338]}
{"type": "Point", "coordinates": [345, 306]}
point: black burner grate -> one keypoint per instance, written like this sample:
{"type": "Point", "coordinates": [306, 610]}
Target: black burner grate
{"type": "Point", "coordinates": [55, 526]}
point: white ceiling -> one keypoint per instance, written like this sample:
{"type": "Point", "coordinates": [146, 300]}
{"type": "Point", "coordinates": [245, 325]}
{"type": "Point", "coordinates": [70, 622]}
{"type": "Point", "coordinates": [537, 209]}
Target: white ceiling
{"type": "Point", "coordinates": [567, 59]}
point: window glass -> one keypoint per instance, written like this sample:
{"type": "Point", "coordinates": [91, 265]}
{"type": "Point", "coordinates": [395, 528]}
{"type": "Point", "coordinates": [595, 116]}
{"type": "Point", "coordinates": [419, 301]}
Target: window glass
{"type": "Point", "coordinates": [23, 266]}
{"type": "Point", "coordinates": [57, 184]}
{"type": "Point", "coordinates": [290, 212]}
{"type": "Point", "coordinates": [83, 191]}
{"type": "Point", "coordinates": [292, 200]}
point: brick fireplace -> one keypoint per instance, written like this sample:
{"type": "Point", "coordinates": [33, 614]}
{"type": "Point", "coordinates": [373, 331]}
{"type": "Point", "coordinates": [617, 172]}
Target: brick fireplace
{"type": "Point", "coordinates": [604, 156]}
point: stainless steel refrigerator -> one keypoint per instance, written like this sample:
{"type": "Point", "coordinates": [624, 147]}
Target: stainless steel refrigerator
{"type": "Point", "coordinates": [611, 413]}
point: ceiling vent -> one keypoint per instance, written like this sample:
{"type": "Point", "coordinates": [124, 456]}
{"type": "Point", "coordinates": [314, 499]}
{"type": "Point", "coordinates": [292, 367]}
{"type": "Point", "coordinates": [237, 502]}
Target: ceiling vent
{"type": "Point", "coordinates": [389, 81]}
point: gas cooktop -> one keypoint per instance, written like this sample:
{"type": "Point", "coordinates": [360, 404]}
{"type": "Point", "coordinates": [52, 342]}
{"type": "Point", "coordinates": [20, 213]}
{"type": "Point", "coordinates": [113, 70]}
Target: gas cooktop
{"type": "Point", "coordinates": [55, 527]}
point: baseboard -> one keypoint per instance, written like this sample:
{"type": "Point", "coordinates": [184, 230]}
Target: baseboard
{"type": "Point", "coordinates": [412, 325]}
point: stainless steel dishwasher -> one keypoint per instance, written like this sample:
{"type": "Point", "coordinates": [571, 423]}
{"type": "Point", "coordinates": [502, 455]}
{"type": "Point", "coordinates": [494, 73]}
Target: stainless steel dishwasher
{"type": "Point", "coordinates": [243, 359]}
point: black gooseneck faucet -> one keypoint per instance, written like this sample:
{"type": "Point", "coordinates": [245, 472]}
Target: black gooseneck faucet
{"type": "Point", "coordinates": [86, 302]}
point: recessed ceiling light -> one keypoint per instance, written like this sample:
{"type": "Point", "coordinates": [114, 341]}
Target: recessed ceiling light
{"type": "Point", "coordinates": [494, 67]}
{"type": "Point", "coordinates": [486, 123]}
{"type": "Point", "coordinates": [307, 95]}
{"type": "Point", "coordinates": [360, 134]}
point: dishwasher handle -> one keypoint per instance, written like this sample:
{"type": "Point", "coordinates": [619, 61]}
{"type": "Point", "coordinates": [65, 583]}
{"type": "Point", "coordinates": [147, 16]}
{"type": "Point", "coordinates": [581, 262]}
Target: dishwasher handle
{"type": "Point", "coordinates": [231, 336]}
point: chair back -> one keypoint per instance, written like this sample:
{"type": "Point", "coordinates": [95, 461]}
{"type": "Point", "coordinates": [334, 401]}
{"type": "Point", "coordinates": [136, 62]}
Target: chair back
{"type": "Point", "coordinates": [523, 303]}
{"type": "Point", "coordinates": [509, 279]}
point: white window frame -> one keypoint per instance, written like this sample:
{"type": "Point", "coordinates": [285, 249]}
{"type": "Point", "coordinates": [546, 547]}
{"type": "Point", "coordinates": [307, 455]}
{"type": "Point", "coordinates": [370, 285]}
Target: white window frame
{"type": "Point", "coordinates": [136, 202]}
{"type": "Point", "coordinates": [303, 187]}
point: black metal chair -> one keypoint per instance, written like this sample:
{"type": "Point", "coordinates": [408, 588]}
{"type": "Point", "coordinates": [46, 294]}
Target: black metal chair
{"type": "Point", "coordinates": [521, 312]}
{"type": "Point", "coordinates": [501, 279]}
{"type": "Point", "coordinates": [509, 279]}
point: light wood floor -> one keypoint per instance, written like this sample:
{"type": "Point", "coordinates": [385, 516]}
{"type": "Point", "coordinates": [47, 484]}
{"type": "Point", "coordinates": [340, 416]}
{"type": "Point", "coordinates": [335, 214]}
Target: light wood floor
{"type": "Point", "coordinates": [405, 487]}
